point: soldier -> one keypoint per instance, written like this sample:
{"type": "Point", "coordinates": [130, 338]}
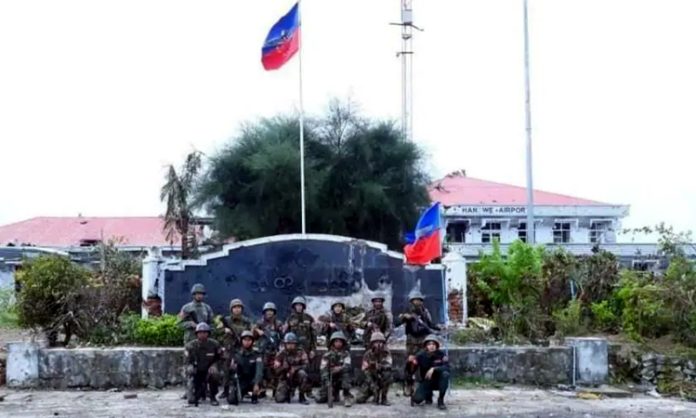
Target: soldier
{"type": "Point", "coordinates": [291, 368]}
{"type": "Point", "coordinates": [202, 357]}
{"type": "Point", "coordinates": [302, 325]}
{"type": "Point", "coordinates": [377, 366]}
{"type": "Point", "coordinates": [337, 320]}
{"type": "Point", "coordinates": [234, 324]}
{"type": "Point", "coordinates": [377, 319]}
{"type": "Point", "coordinates": [268, 330]}
{"type": "Point", "coordinates": [195, 312]}
{"type": "Point", "coordinates": [247, 365]}
{"type": "Point", "coordinates": [336, 366]}
{"type": "Point", "coordinates": [433, 373]}
{"type": "Point", "coordinates": [419, 324]}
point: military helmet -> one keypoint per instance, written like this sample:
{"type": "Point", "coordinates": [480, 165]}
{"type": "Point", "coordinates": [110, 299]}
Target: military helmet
{"type": "Point", "coordinates": [338, 335]}
{"type": "Point", "coordinates": [197, 288]}
{"type": "Point", "coordinates": [290, 337]}
{"type": "Point", "coordinates": [202, 327]}
{"type": "Point", "coordinates": [377, 336]}
{"type": "Point", "coordinates": [236, 302]}
{"type": "Point", "coordinates": [338, 302]}
{"type": "Point", "coordinates": [269, 305]}
{"type": "Point", "coordinates": [301, 300]}
{"type": "Point", "coordinates": [415, 294]}
{"type": "Point", "coordinates": [246, 333]}
{"type": "Point", "coordinates": [378, 296]}
{"type": "Point", "coordinates": [433, 338]}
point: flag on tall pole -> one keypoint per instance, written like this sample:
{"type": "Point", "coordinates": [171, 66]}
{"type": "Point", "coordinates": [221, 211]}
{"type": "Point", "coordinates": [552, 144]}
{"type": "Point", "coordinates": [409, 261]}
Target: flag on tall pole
{"type": "Point", "coordinates": [282, 41]}
{"type": "Point", "coordinates": [426, 242]}
{"type": "Point", "coordinates": [281, 44]}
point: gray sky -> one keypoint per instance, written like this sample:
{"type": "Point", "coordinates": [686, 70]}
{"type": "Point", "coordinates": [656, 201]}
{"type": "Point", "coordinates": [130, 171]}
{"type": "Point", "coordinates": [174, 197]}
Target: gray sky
{"type": "Point", "coordinates": [96, 97]}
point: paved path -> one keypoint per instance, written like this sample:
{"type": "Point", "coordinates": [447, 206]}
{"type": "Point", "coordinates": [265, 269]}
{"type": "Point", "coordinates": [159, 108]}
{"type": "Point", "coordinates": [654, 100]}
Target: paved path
{"type": "Point", "coordinates": [507, 402]}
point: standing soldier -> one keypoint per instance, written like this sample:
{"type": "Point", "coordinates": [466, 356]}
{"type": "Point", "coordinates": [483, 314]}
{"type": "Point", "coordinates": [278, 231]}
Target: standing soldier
{"type": "Point", "coordinates": [377, 319]}
{"type": "Point", "coordinates": [335, 370]}
{"type": "Point", "coordinates": [302, 325]}
{"type": "Point", "coordinates": [419, 324]}
{"type": "Point", "coordinates": [433, 373]}
{"type": "Point", "coordinates": [202, 357]}
{"type": "Point", "coordinates": [247, 365]}
{"type": "Point", "coordinates": [268, 331]}
{"type": "Point", "coordinates": [377, 366]}
{"type": "Point", "coordinates": [195, 312]}
{"type": "Point", "coordinates": [337, 320]}
{"type": "Point", "coordinates": [291, 368]}
{"type": "Point", "coordinates": [234, 324]}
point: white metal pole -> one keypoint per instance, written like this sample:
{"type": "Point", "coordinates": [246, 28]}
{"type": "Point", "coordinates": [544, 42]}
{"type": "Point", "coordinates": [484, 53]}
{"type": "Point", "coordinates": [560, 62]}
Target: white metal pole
{"type": "Point", "coordinates": [528, 123]}
{"type": "Point", "coordinates": [302, 174]}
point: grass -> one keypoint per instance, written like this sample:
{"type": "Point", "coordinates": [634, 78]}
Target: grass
{"type": "Point", "coordinates": [464, 382]}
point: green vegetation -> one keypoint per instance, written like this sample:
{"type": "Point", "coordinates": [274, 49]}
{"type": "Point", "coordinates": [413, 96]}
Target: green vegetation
{"type": "Point", "coordinates": [8, 309]}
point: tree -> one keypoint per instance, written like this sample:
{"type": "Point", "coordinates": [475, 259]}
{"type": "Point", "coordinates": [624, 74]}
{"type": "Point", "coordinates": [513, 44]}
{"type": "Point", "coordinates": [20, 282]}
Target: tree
{"type": "Point", "coordinates": [362, 179]}
{"type": "Point", "coordinates": [177, 192]}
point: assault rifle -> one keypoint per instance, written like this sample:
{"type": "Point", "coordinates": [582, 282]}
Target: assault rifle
{"type": "Point", "coordinates": [331, 388]}
{"type": "Point", "coordinates": [199, 385]}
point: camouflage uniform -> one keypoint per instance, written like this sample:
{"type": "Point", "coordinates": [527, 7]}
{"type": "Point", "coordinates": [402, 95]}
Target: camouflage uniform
{"type": "Point", "coordinates": [342, 322]}
{"type": "Point", "coordinates": [291, 371]}
{"type": "Point", "coordinates": [232, 340]}
{"type": "Point", "coordinates": [377, 320]}
{"type": "Point", "coordinates": [202, 359]}
{"type": "Point", "coordinates": [377, 366]}
{"type": "Point", "coordinates": [340, 379]}
{"type": "Point", "coordinates": [194, 313]}
{"type": "Point", "coordinates": [419, 324]}
{"type": "Point", "coordinates": [268, 343]}
{"type": "Point", "coordinates": [247, 364]}
{"type": "Point", "coordinates": [302, 325]}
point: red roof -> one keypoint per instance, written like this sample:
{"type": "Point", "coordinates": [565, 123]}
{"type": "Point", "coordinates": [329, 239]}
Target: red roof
{"type": "Point", "coordinates": [71, 231]}
{"type": "Point", "coordinates": [458, 189]}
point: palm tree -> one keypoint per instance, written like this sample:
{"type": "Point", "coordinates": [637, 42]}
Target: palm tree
{"type": "Point", "coordinates": [177, 192]}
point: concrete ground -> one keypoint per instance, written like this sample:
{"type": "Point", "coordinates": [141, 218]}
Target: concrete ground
{"type": "Point", "coordinates": [506, 402]}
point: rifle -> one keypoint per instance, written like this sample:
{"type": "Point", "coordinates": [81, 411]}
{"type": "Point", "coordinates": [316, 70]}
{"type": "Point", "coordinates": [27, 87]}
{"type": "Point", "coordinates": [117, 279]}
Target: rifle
{"type": "Point", "coordinates": [199, 379]}
{"type": "Point", "coordinates": [239, 387]}
{"type": "Point", "coordinates": [331, 388]}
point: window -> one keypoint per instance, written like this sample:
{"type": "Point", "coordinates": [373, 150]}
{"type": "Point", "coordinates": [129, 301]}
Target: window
{"type": "Point", "coordinates": [522, 231]}
{"type": "Point", "coordinates": [598, 232]}
{"type": "Point", "coordinates": [490, 231]}
{"type": "Point", "coordinates": [644, 265]}
{"type": "Point", "coordinates": [456, 231]}
{"type": "Point", "coordinates": [561, 232]}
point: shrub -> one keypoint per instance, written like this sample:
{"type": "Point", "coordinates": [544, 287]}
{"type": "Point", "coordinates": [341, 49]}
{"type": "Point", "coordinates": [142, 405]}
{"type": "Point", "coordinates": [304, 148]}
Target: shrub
{"type": "Point", "coordinates": [8, 308]}
{"type": "Point", "coordinates": [569, 320]}
{"type": "Point", "coordinates": [50, 288]}
{"type": "Point", "coordinates": [605, 316]}
{"type": "Point", "coordinates": [161, 331]}
{"type": "Point", "coordinates": [471, 336]}
{"type": "Point", "coordinates": [645, 312]}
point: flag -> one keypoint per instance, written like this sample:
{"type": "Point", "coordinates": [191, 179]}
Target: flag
{"type": "Point", "coordinates": [282, 41]}
{"type": "Point", "coordinates": [427, 245]}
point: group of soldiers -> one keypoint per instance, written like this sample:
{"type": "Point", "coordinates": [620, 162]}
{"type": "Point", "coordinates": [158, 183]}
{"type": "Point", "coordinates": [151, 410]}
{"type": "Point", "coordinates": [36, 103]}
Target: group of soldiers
{"type": "Point", "coordinates": [253, 358]}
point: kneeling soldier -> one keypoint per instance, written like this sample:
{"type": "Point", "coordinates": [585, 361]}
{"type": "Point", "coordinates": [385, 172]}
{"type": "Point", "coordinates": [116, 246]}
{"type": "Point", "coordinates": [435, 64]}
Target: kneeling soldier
{"type": "Point", "coordinates": [335, 368]}
{"type": "Point", "coordinates": [291, 369]}
{"type": "Point", "coordinates": [202, 357]}
{"type": "Point", "coordinates": [377, 366]}
{"type": "Point", "coordinates": [432, 373]}
{"type": "Point", "coordinates": [247, 366]}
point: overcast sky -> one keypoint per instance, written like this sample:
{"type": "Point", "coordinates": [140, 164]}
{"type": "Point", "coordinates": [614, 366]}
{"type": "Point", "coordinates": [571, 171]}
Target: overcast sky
{"type": "Point", "coordinates": [96, 97]}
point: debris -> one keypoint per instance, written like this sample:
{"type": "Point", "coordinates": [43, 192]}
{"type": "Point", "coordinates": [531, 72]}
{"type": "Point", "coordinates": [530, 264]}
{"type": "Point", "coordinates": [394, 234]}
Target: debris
{"type": "Point", "coordinates": [588, 396]}
{"type": "Point", "coordinates": [130, 395]}
{"type": "Point", "coordinates": [2, 398]}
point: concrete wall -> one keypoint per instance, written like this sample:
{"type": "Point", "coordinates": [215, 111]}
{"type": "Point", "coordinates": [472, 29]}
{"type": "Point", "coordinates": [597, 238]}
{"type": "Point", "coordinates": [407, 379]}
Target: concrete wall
{"type": "Point", "coordinates": [102, 368]}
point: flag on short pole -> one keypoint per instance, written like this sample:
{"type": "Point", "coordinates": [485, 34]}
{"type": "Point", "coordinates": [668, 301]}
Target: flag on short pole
{"type": "Point", "coordinates": [282, 41]}
{"type": "Point", "coordinates": [425, 244]}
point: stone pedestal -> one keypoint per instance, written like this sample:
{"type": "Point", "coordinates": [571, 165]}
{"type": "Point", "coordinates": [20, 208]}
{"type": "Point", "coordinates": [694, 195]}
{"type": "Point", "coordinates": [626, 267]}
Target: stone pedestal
{"type": "Point", "coordinates": [455, 275]}
{"type": "Point", "coordinates": [591, 360]}
{"type": "Point", "coordinates": [22, 365]}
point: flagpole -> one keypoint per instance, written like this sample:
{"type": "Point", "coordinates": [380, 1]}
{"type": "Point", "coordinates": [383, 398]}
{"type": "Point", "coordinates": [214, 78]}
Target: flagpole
{"type": "Point", "coordinates": [528, 126]}
{"type": "Point", "coordinates": [302, 173]}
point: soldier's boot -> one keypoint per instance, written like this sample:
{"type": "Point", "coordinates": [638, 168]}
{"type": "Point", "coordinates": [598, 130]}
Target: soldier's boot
{"type": "Point", "coordinates": [254, 399]}
{"type": "Point", "coordinates": [408, 387]}
{"type": "Point", "coordinates": [214, 401]}
{"type": "Point", "coordinates": [302, 399]}
{"type": "Point", "coordinates": [441, 402]}
{"type": "Point", "coordinates": [225, 390]}
{"type": "Point", "coordinates": [384, 401]}
{"type": "Point", "coordinates": [429, 400]}
{"type": "Point", "coordinates": [363, 396]}
{"type": "Point", "coordinates": [347, 398]}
